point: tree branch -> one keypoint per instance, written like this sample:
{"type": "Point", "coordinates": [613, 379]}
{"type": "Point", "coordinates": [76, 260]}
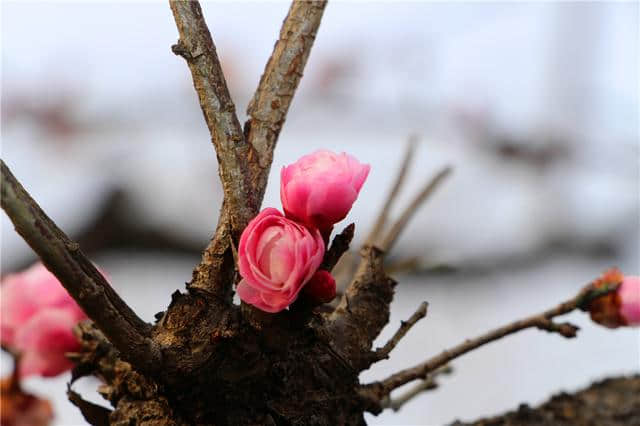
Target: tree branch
{"type": "Point", "coordinates": [128, 333]}
{"type": "Point", "coordinates": [380, 390]}
{"type": "Point", "coordinates": [405, 326]}
{"type": "Point", "coordinates": [196, 46]}
{"type": "Point", "coordinates": [268, 107]}
{"type": "Point", "coordinates": [233, 153]}
{"type": "Point", "coordinates": [411, 209]}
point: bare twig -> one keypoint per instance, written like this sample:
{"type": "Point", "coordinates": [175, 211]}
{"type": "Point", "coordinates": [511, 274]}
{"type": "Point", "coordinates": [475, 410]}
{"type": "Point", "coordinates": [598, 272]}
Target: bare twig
{"type": "Point", "coordinates": [410, 210]}
{"type": "Point", "coordinates": [128, 333]}
{"type": "Point", "coordinates": [379, 390]}
{"type": "Point", "coordinates": [338, 247]}
{"type": "Point", "coordinates": [268, 107]}
{"type": "Point", "coordinates": [383, 216]}
{"type": "Point", "coordinates": [405, 326]}
{"type": "Point", "coordinates": [425, 385]}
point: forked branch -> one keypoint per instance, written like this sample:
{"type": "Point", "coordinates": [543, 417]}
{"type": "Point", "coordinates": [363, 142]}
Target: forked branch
{"type": "Point", "coordinates": [244, 157]}
{"type": "Point", "coordinates": [543, 321]}
{"type": "Point", "coordinates": [126, 331]}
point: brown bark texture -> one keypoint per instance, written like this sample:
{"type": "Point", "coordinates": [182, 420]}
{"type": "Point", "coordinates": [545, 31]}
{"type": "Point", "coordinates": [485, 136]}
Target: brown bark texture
{"type": "Point", "coordinates": [610, 402]}
{"type": "Point", "coordinates": [206, 360]}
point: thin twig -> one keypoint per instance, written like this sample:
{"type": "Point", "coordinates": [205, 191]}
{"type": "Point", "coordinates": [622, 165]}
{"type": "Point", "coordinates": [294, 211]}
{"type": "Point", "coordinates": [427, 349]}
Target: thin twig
{"type": "Point", "coordinates": [425, 385]}
{"type": "Point", "coordinates": [543, 321]}
{"type": "Point", "coordinates": [338, 247]}
{"type": "Point", "coordinates": [383, 216]}
{"type": "Point", "coordinates": [128, 333]}
{"type": "Point", "coordinates": [405, 326]}
{"type": "Point", "coordinates": [411, 209]}
{"type": "Point", "coordinates": [268, 107]}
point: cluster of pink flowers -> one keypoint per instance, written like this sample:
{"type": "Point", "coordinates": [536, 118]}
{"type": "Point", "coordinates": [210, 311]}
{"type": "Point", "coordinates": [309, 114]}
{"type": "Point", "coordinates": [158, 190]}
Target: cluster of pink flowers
{"type": "Point", "coordinates": [38, 316]}
{"type": "Point", "coordinates": [279, 255]}
{"type": "Point", "coordinates": [620, 308]}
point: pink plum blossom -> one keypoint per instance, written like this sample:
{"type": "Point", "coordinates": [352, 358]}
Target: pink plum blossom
{"type": "Point", "coordinates": [320, 188]}
{"type": "Point", "coordinates": [618, 308]}
{"type": "Point", "coordinates": [629, 293]}
{"type": "Point", "coordinates": [37, 318]}
{"type": "Point", "coordinates": [276, 257]}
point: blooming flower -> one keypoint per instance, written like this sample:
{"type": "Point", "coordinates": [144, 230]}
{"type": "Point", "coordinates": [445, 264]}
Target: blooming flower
{"type": "Point", "coordinates": [37, 318]}
{"type": "Point", "coordinates": [621, 307]}
{"type": "Point", "coordinates": [276, 257]}
{"type": "Point", "coordinates": [320, 188]}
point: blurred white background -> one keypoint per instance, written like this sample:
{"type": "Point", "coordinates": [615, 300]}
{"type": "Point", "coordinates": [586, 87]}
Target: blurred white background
{"type": "Point", "coordinates": [534, 104]}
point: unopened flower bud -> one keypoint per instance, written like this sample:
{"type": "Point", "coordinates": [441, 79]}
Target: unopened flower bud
{"type": "Point", "coordinates": [321, 288]}
{"type": "Point", "coordinates": [320, 188]}
{"type": "Point", "coordinates": [620, 307]}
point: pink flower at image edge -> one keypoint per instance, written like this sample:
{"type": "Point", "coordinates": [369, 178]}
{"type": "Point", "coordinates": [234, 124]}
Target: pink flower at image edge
{"type": "Point", "coordinates": [619, 308]}
{"type": "Point", "coordinates": [276, 257]}
{"type": "Point", "coordinates": [320, 188]}
{"type": "Point", "coordinates": [37, 320]}
{"type": "Point", "coordinates": [629, 294]}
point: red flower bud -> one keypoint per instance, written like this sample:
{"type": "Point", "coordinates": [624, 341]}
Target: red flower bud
{"type": "Point", "coordinates": [321, 288]}
{"type": "Point", "coordinates": [620, 307]}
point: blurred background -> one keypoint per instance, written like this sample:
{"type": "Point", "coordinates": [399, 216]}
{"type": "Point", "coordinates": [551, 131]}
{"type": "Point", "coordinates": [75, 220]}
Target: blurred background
{"type": "Point", "coordinates": [534, 104]}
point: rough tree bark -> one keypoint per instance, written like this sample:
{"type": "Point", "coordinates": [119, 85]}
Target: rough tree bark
{"type": "Point", "coordinates": [207, 360]}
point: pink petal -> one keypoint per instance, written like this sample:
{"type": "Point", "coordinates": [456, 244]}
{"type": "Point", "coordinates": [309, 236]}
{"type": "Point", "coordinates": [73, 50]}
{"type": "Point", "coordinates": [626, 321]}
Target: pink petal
{"type": "Point", "coordinates": [629, 293]}
{"type": "Point", "coordinates": [247, 293]}
{"type": "Point", "coordinates": [45, 339]}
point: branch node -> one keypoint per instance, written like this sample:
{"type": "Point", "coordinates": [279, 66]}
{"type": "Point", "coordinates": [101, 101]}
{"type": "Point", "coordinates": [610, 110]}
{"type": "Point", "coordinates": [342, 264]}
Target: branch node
{"type": "Point", "coordinates": [179, 49]}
